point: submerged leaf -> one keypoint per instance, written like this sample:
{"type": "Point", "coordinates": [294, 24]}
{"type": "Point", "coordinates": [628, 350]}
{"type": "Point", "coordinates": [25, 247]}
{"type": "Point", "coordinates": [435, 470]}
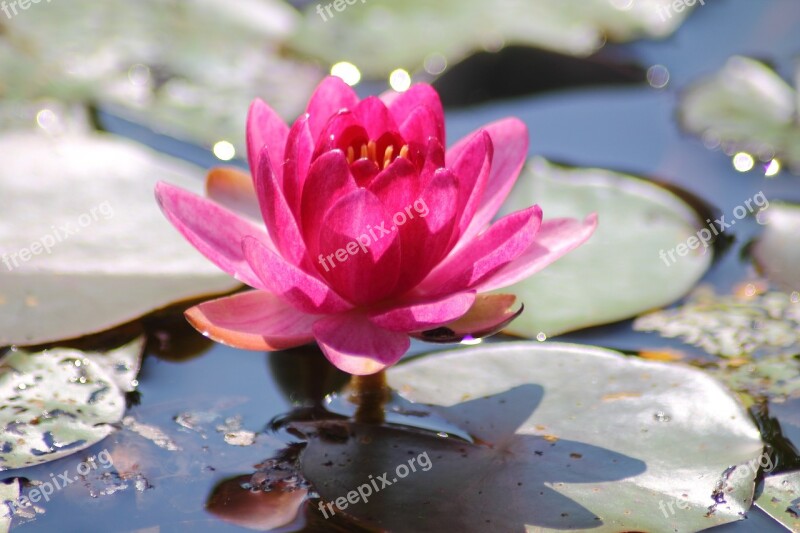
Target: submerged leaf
{"type": "Point", "coordinates": [60, 401]}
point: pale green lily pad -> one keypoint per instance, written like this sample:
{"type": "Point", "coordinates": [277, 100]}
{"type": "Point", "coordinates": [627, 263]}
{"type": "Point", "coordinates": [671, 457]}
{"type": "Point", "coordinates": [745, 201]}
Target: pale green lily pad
{"type": "Point", "coordinates": [577, 27]}
{"type": "Point", "coordinates": [187, 68]}
{"type": "Point", "coordinates": [781, 499]}
{"type": "Point", "coordinates": [60, 401]}
{"type": "Point", "coordinates": [567, 437]}
{"type": "Point", "coordinates": [777, 250]}
{"type": "Point", "coordinates": [745, 106]}
{"type": "Point", "coordinates": [106, 254]}
{"type": "Point", "coordinates": [9, 494]}
{"type": "Point", "coordinates": [620, 271]}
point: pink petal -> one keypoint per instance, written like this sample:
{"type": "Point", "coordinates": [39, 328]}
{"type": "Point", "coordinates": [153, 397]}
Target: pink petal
{"type": "Point", "coordinates": [253, 320]}
{"type": "Point", "coordinates": [285, 280]}
{"type": "Point", "coordinates": [489, 315]}
{"type": "Point", "coordinates": [299, 149]}
{"type": "Point", "coordinates": [232, 188]}
{"type": "Point", "coordinates": [373, 115]}
{"type": "Point", "coordinates": [556, 238]}
{"type": "Point", "coordinates": [265, 128]}
{"type": "Point", "coordinates": [216, 232]}
{"type": "Point", "coordinates": [328, 180]}
{"type": "Point", "coordinates": [424, 315]}
{"type": "Point", "coordinates": [419, 95]}
{"type": "Point", "coordinates": [499, 245]}
{"type": "Point", "coordinates": [420, 126]}
{"type": "Point", "coordinates": [331, 95]}
{"type": "Point", "coordinates": [358, 347]}
{"type": "Point", "coordinates": [397, 186]}
{"type": "Point", "coordinates": [279, 219]}
{"type": "Point", "coordinates": [359, 252]}
{"type": "Point", "coordinates": [510, 141]}
{"type": "Point", "coordinates": [473, 168]}
{"type": "Point", "coordinates": [341, 130]}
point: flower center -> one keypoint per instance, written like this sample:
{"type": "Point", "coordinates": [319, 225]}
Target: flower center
{"type": "Point", "coordinates": [380, 153]}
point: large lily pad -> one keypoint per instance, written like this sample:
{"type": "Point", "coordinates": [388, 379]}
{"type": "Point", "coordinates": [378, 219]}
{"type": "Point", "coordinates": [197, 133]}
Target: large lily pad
{"type": "Point", "coordinates": [745, 106]}
{"type": "Point", "coordinates": [566, 437]}
{"type": "Point", "coordinates": [577, 27]}
{"type": "Point", "coordinates": [59, 401]}
{"type": "Point", "coordinates": [83, 244]}
{"type": "Point", "coordinates": [781, 499]}
{"type": "Point", "coordinates": [188, 68]}
{"type": "Point", "coordinates": [620, 271]}
{"type": "Point", "coordinates": [777, 250]}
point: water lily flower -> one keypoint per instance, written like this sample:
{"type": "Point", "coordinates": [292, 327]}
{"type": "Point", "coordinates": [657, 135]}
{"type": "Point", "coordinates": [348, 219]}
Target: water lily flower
{"type": "Point", "coordinates": [358, 230]}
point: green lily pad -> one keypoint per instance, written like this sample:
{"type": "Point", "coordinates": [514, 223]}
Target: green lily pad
{"type": "Point", "coordinates": [745, 106]}
{"type": "Point", "coordinates": [777, 250]}
{"type": "Point", "coordinates": [781, 499]}
{"type": "Point", "coordinates": [60, 401]}
{"type": "Point", "coordinates": [186, 68]}
{"type": "Point", "coordinates": [624, 268]}
{"type": "Point", "coordinates": [83, 244]}
{"type": "Point", "coordinates": [565, 437]}
{"type": "Point", "coordinates": [577, 27]}
{"type": "Point", "coordinates": [9, 493]}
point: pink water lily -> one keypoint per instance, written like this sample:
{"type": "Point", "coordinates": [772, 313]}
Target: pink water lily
{"type": "Point", "coordinates": [372, 233]}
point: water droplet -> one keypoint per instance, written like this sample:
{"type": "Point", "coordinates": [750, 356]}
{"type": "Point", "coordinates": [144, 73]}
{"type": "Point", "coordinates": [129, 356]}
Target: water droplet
{"type": "Point", "coordinates": [661, 416]}
{"type": "Point", "coordinates": [541, 337]}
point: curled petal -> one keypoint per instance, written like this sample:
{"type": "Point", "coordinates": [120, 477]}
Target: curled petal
{"type": "Point", "coordinates": [298, 288]}
{"type": "Point", "coordinates": [355, 345]}
{"type": "Point", "coordinates": [216, 232]}
{"type": "Point", "coordinates": [510, 141]}
{"type": "Point", "coordinates": [331, 95]}
{"type": "Point", "coordinates": [265, 129]}
{"type": "Point", "coordinates": [233, 189]}
{"type": "Point", "coordinates": [402, 105]}
{"type": "Point", "coordinates": [556, 238]}
{"type": "Point", "coordinates": [423, 315]}
{"type": "Point", "coordinates": [489, 315]}
{"type": "Point", "coordinates": [253, 320]}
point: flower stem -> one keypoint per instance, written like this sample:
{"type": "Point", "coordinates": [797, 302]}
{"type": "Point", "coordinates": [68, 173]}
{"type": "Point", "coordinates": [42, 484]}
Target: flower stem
{"type": "Point", "coordinates": [370, 394]}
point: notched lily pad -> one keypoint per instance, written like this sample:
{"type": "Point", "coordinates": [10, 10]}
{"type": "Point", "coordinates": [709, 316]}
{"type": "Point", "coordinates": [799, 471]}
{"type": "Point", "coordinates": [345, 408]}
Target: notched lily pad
{"type": "Point", "coordinates": [620, 271]}
{"type": "Point", "coordinates": [564, 437]}
{"type": "Point", "coordinates": [59, 401]}
{"type": "Point", "coordinates": [84, 246]}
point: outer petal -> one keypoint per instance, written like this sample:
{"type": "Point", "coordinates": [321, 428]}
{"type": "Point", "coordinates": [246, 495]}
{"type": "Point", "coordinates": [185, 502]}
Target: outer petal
{"type": "Point", "coordinates": [253, 320]}
{"type": "Point", "coordinates": [331, 95]}
{"type": "Point", "coordinates": [510, 141]}
{"type": "Point", "coordinates": [357, 346]}
{"type": "Point", "coordinates": [265, 128]}
{"type": "Point", "coordinates": [490, 314]}
{"type": "Point", "coordinates": [303, 291]}
{"type": "Point", "coordinates": [279, 219]}
{"type": "Point", "coordinates": [501, 244]}
{"type": "Point", "coordinates": [403, 104]}
{"type": "Point", "coordinates": [216, 232]}
{"type": "Point", "coordinates": [556, 238]}
{"type": "Point", "coordinates": [473, 167]}
{"type": "Point", "coordinates": [233, 189]}
{"type": "Point", "coordinates": [424, 315]}
{"type": "Point", "coordinates": [299, 149]}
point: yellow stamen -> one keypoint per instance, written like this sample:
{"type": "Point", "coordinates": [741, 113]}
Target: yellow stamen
{"type": "Point", "coordinates": [351, 155]}
{"type": "Point", "coordinates": [372, 151]}
{"type": "Point", "coordinates": [363, 151]}
{"type": "Point", "coordinates": [404, 152]}
{"type": "Point", "coordinates": [387, 158]}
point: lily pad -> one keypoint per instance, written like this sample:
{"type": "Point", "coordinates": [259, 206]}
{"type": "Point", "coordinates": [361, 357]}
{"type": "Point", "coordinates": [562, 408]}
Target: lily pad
{"type": "Point", "coordinates": [9, 493]}
{"type": "Point", "coordinates": [781, 499]}
{"type": "Point", "coordinates": [777, 250]}
{"type": "Point", "coordinates": [60, 401]}
{"type": "Point", "coordinates": [197, 83]}
{"type": "Point", "coordinates": [83, 244]}
{"type": "Point", "coordinates": [565, 437]}
{"type": "Point", "coordinates": [745, 106]}
{"type": "Point", "coordinates": [621, 271]}
{"type": "Point", "coordinates": [578, 27]}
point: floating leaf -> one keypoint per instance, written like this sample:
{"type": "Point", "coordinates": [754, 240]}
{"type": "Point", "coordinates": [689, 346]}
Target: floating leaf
{"type": "Point", "coordinates": [188, 68]}
{"type": "Point", "coordinates": [777, 250]}
{"type": "Point", "coordinates": [565, 437]}
{"type": "Point", "coordinates": [9, 493]}
{"type": "Point", "coordinates": [781, 499]}
{"type": "Point", "coordinates": [578, 27]}
{"type": "Point", "coordinates": [746, 106]}
{"type": "Point", "coordinates": [619, 272]}
{"type": "Point", "coordinates": [60, 401]}
{"type": "Point", "coordinates": [83, 244]}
